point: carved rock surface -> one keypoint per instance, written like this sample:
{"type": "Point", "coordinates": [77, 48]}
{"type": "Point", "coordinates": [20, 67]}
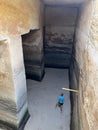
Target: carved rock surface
{"type": "Point", "coordinates": [59, 33]}
{"type": "Point", "coordinates": [13, 96]}
{"type": "Point", "coordinates": [16, 18]}
{"type": "Point", "coordinates": [84, 69]}
{"type": "Point", "coordinates": [33, 54]}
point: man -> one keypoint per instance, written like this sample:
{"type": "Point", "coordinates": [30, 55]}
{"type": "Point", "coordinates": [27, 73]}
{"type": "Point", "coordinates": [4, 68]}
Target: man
{"type": "Point", "coordinates": [60, 101]}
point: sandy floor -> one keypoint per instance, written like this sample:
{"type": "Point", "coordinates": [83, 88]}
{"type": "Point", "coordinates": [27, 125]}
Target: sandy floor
{"type": "Point", "coordinates": [42, 97]}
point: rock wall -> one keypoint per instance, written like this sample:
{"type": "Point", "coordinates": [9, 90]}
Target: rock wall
{"type": "Point", "coordinates": [62, 2]}
{"type": "Point", "coordinates": [16, 18]}
{"type": "Point", "coordinates": [19, 17]}
{"type": "Point", "coordinates": [33, 51]}
{"type": "Point", "coordinates": [13, 92]}
{"type": "Point", "coordinates": [34, 54]}
{"type": "Point", "coordinates": [84, 69]}
{"type": "Point", "coordinates": [59, 29]}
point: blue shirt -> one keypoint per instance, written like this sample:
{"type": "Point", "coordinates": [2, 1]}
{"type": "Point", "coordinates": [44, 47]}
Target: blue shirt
{"type": "Point", "coordinates": [61, 99]}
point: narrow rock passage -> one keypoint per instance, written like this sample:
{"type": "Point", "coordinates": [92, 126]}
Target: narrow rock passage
{"type": "Point", "coordinates": [42, 98]}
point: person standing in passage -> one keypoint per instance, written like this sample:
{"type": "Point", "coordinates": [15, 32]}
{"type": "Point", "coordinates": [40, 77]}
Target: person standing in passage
{"type": "Point", "coordinates": [60, 101]}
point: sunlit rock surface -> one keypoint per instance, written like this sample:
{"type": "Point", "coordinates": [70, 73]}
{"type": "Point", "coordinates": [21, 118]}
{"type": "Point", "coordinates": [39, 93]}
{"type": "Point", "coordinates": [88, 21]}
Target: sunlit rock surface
{"type": "Point", "coordinates": [13, 93]}
{"type": "Point", "coordinates": [16, 18]}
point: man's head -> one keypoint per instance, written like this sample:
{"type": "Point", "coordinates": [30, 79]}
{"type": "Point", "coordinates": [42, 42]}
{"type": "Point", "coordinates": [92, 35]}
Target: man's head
{"type": "Point", "coordinates": [62, 94]}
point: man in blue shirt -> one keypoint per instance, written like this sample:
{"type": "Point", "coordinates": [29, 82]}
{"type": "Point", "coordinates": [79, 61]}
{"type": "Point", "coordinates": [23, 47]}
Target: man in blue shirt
{"type": "Point", "coordinates": [60, 101]}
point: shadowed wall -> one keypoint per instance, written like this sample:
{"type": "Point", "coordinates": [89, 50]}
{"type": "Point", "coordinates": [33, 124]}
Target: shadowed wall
{"type": "Point", "coordinates": [60, 24]}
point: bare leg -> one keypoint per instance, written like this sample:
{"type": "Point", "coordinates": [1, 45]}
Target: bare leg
{"type": "Point", "coordinates": [61, 107]}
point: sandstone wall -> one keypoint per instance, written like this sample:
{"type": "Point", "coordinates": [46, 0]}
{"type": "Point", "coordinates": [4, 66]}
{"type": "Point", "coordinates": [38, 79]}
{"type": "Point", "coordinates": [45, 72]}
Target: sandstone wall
{"type": "Point", "coordinates": [16, 18]}
{"type": "Point", "coordinates": [84, 69]}
{"type": "Point", "coordinates": [60, 24]}
{"type": "Point", "coordinates": [54, 2]}
{"type": "Point", "coordinates": [33, 51]}
{"type": "Point", "coordinates": [34, 54]}
{"type": "Point", "coordinates": [13, 92]}
{"type": "Point", "coordinates": [19, 16]}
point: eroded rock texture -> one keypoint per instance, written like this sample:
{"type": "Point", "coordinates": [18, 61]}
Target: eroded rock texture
{"type": "Point", "coordinates": [33, 54]}
{"type": "Point", "coordinates": [59, 32]}
{"type": "Point", "coordinates": [19, 17]}
{"type": "Point", "coordinates": [84, 69]}
{"type": "Point", "coordinates": [33, 47]}
{"type": "Point", "coordinates": [16, 18]}
{"type": "Point", "coordinates": [13, 98]}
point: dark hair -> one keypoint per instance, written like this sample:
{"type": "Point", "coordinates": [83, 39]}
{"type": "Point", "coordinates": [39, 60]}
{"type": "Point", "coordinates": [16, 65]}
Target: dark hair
{"type": "Point", "coordinates": [62, 94]}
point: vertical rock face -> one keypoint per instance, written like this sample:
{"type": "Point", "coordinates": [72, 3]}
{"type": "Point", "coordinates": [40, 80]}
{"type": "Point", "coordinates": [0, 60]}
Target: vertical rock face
{"type": "Point", "coordinates": [33, 48]}
{"type": "Point", "coordinates": [7, 99]}
{"type": "Point", "coordinates": [84, 69]}
{"type": "Point", "coordinates": [20, 16]}
{"type": "Point", "coordinates": [16, 18]}
{"type": "Point", "coordinates": [53, 2]}
{"type": "Point", "coordinates": [59, 32]}
{"type": "Point", "coordinates": [33, 54]}
{"type": "Point", "coordinates": [13, 98]}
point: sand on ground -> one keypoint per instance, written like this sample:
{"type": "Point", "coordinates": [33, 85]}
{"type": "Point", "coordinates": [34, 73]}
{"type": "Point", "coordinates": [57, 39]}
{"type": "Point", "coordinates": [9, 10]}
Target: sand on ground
{"type": "Point", "coordinates": [42, 98]}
